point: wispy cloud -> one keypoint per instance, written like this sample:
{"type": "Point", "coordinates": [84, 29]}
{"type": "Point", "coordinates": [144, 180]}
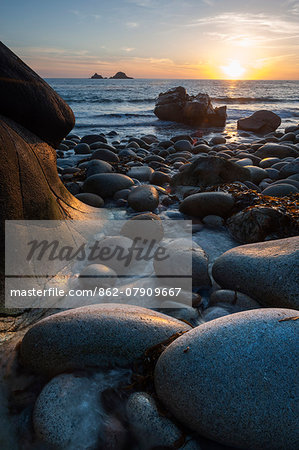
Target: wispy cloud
{"type": "Point", "coordinates": [132, 24]}
{"type": "Point", "coordinates": [128, 49]}
{"type": "Point", "coordinates": [254, 22]}
{"type": "Point", "coordinates": [82, 15]}
{"type": "Point", "coordinates": [142, 3]}
{"type": "Point", "coordinates": [293, 7]}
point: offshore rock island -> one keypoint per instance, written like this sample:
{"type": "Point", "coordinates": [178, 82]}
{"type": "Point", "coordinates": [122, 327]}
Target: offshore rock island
{"type": "Point", "coordinates": [117, 76]}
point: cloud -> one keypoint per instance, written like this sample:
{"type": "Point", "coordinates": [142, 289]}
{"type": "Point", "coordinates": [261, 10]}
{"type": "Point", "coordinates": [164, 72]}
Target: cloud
{"type": "Point", "coordinates": [254, 22]}
{"type": "Point", "coordinates": [142, 3]}
{"type": "Point", "coordinates": [84, 16]}
{"type": "Point", "coordinates": [293, 7]}
{"type": "Point", "coordinates": [132, 24]}
{"type": "Point", "coordinates": [273, 59]}
{"type": "Point", "coordinates": [128, 49]}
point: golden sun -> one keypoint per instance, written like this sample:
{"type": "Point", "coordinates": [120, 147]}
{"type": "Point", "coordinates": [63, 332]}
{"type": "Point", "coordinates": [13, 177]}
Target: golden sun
{"type": "Point", "coordinates": [233, 70]}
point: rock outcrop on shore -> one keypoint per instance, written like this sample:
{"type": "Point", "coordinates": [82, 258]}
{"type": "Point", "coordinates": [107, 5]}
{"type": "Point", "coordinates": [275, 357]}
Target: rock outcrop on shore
{"type": "Point", "coordinates": [177, 106]}
{"type": "Point", "coordinates": [31, 102]}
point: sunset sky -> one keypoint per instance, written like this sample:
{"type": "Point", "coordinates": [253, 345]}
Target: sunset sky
{"type": "Point", "coordinates": [256, 39]}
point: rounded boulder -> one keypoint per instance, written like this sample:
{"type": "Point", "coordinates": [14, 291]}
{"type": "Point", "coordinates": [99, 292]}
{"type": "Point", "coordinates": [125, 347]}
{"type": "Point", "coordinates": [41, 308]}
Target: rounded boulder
{"type": "Point", "coordinates": [106, 184]}
{"type": "Point", "coordinates": [208, 203]}
{"type": "Point", "coordinates": [143, 198]}
{"type": "Point", "coordinates": [234, 379]}
{"type": "Point", "coordinates": [95, 336]}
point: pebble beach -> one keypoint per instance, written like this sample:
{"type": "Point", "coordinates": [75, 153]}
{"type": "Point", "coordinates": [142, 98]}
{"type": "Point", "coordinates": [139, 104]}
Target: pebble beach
{"type": "Point", "coordinates": [217, 373]}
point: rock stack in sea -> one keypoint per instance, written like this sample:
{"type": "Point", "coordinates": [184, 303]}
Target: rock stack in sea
{"type": "Point", "coordinates": [177, 106]}
{"type": "Point", "coordinates": [218, 372]}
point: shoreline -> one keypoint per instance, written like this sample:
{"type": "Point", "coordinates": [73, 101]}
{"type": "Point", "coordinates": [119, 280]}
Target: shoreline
{"type": "Point", "coordinates": [184, 338]}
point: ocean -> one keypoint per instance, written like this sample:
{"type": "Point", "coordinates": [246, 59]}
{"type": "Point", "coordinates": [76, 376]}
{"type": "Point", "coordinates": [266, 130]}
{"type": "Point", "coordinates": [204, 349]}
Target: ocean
{"type": "Point", "coordinates": [126, 106]}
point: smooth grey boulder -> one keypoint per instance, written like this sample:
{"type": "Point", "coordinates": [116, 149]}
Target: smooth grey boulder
{"type": "Point", "coordinates": [95, 336]}
{"type": "Point", "coordinates": [290, 169]}
{"type": "Point", "coordinates": [257, 174]}
{"type": "Point", "coordinates": [68, 413]}
{"type": "Point", "coordinates": [182, 260]}
{"type": "Point", "coordinates": [217, 140]}
{"type": "Point", "coordinates": [92, 138]}
{"type": "Point", "coordinates": [273, 150]}
{"type": "Point", "coordinates": [262, 121]}
{"type": "Point", "coordinates": [160, 178]}
{"type": "Point", "coordinates": [280, 190]}
{"type": "Point", "coordinates": [235, 298]}
{"type": "Point", "coordinates": [149, 427]}
{"type": "Point", "coordinates": [144, 198]}
{"type": "Point", "coordinates": [268, 162]}
{"type": "Point", "coordinates": [141, 173]}
{"type": "Point", "coordinates": [105, 155]}
{"type": "Point", "coordinates": [97, 166]}
{"type": "Point", "coordinates": [265, 271]}
{"type": "Point", "coordinates": [106, 184]}
{"type": "Point", "coordinates": [148, 224]}
{"type": "Point", "coordinates": [91, 199]}
{"type": "Point", "coordinates": [82, 149]}
{"type": "Point", "coordinates": [97, 275]}
{"type": "Point", "coordinates": [208, 203]}
{"type": "Point", "coordinates": [183, 145]}
{"type": "Point", "coordinates": [234, 379]}
{"type": "Point", "coordinates": [115, 253]}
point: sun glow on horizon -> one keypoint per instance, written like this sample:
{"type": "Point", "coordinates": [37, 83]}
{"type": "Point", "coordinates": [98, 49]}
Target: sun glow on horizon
{"type": "Point", "coordinates": [234, 70]}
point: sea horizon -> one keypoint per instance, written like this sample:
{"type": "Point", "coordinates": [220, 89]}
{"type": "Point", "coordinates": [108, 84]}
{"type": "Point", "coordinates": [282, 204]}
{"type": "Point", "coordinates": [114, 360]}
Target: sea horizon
{"type": "Point", "coordinates": [127, 105]}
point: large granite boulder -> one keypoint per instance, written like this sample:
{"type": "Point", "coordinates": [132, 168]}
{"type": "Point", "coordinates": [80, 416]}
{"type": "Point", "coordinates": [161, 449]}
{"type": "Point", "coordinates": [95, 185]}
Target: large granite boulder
{"type": "Point", "coordinates": [30, 101]}
{"type": "Point", "coordinates": [235, 379]}
{"type": "Point", "coordinates": [266, 271]}
{"type": "Point", "coordinates": [177, 106]}
{"type": "Point", "coordinates": [210, 171]}
{"type": "Point", "coordinates": [99, 336]}
{"type": "Point", "coordinates": [29, 184]}
{"type": "Point", "coordinates": [262, 122]}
